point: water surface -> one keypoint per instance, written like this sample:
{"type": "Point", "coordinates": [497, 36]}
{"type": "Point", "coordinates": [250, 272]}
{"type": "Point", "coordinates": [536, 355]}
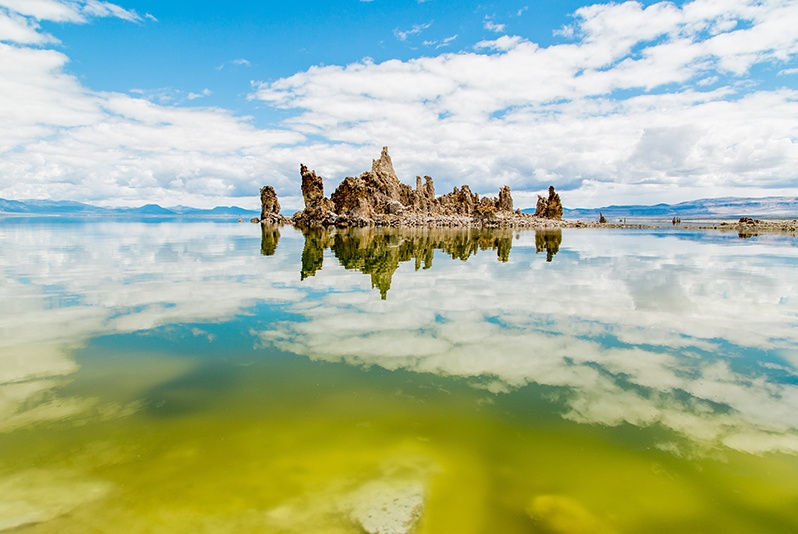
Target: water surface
{"type": "Point", "coordinates": [213, 377]}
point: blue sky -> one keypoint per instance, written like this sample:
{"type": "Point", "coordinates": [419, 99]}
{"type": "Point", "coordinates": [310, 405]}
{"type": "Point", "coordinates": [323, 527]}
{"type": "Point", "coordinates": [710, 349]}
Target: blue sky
{"type": "Point", "coordinates": [201, 103]}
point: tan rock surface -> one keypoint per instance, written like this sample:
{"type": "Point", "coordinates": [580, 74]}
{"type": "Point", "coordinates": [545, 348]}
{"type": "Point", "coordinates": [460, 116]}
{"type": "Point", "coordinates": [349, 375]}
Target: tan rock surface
{"type": "Point", "coordinates": [377, 197]}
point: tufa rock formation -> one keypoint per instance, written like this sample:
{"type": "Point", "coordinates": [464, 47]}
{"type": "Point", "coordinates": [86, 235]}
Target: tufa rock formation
{"type": "Point", "coordinates": [268, 202]}
{"type": "Point", "coordinates": [550, 208]}
{"type": "Point", "coordinates": [269, 207]}
{"type": "Point", "coordinates": [318, 208]}
{"type": "Point", "coordinates": [377, 197]}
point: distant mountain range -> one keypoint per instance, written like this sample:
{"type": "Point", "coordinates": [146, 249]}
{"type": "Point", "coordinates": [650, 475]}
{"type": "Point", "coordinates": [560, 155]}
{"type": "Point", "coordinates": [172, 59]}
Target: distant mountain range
{"type": "Point", "coordinates": [66, 207]}
{"type": "Point", "coordinates": [705, 208]}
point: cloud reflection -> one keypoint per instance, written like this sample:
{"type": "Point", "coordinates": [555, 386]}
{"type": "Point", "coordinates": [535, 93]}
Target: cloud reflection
{"type": "Point", "coordinates": [378, 251]}
{"type": "Point", "coordinates": [697, 337]}
{"type": "Point", "coordinates": [65, 283]}
{"type": "Point", "coordinates": [694, 333]}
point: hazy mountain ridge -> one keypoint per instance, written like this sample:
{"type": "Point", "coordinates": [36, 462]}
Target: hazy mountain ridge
{"type": "Point", "coordinates": [705, 208]}
{"type": "Point", "coordinates": [67, 207]}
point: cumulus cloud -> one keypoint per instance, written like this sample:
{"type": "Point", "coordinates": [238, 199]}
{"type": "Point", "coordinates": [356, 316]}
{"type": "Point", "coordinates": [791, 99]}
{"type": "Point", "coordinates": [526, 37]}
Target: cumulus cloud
{"type": "Point", "coordinates": [70, 142]}
{"type": "Point", "coordinates": [579, 112]}
{"type": "Point", "coordinates": [599, 114]}
{"type": "Point", "coordinates": [21, 30]}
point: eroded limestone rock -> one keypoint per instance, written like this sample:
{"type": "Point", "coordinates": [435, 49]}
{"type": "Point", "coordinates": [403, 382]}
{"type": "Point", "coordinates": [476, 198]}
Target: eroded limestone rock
{"type": "Point", "coordinates": [549, 208]}
{"type": "Point", "coordinates": [318, 208]}
{"type": "Point", "coordinates": [377, 197]}
{"type": "Point", "coordinates": [269, 207]}
{"type": "Point", "coordinates": [268, 202]}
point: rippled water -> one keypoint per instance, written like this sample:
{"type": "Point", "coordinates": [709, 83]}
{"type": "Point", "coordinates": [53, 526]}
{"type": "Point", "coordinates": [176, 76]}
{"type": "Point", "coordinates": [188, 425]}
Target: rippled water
{"type": "Point", "coordinates": [213, 377]}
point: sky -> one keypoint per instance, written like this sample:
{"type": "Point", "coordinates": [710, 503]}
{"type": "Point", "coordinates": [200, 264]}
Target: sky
{"type": "Point", "coordinates": [202, 102]}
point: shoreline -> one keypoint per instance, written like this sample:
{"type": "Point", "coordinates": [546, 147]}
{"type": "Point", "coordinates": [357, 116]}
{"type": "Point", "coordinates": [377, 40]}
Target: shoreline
{"type": "Point", "coordinates": [744, 227]}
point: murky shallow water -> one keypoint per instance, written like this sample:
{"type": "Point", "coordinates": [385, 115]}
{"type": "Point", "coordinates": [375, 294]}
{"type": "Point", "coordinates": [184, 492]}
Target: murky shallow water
{"type": "Point", "coordinates": [202, 377]}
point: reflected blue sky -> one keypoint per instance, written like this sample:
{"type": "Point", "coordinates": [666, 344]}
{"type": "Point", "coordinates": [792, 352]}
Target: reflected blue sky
{"type": "Point", "coordinates": [689, 331]}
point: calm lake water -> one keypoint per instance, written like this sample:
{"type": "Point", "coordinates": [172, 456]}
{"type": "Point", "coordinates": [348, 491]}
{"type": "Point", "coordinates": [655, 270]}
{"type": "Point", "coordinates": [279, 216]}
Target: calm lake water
{"type": "Point", "coordinates": [211, 377]}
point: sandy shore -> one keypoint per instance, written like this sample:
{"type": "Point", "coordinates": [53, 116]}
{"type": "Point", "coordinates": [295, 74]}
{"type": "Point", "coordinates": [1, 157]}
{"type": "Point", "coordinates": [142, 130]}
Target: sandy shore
{"type": "Point", "coordinates": [744, 227]}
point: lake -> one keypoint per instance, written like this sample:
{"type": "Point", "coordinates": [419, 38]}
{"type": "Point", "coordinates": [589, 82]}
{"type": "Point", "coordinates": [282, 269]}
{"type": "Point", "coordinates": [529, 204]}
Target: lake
{"type": "Point", "coordinates": [219, 377]}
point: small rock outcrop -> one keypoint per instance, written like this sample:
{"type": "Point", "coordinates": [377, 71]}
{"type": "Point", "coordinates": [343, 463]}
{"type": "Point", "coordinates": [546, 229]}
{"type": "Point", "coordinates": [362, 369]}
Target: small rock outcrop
{"type": "Point", "coordinates": [269, 207]}
{"type": "Point", "coordinates": [549, 208]}
{"type": "Point", "coordinates": [377, 197]}
{"type": "Point", "coordinates": [318, 208]}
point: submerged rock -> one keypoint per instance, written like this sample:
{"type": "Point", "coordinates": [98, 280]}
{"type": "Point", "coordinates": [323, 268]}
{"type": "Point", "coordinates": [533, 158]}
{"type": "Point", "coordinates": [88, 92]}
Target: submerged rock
{"type": "Point", "coordinates": [387, 507]}
{"type": "Point", "coordinates": [38, 496]}
{"type": "Point", "coordinates": [391, 503]}
{"type": "Point", "coordinates": [559, 514]}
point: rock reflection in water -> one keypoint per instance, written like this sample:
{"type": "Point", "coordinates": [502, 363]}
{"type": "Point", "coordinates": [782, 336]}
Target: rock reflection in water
{"type": "Point", "coordinates": [269, 237]}
{"type": "Point", "coordinates": [378, 252]}
{"type": "Point", "coordinates": [316, 240]}
{"type": "Point", "coordinates": [548, 241]}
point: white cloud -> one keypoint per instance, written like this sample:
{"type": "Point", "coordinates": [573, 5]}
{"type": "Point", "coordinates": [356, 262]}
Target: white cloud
{"type": "Point", "coordinates": [70, 142]}
{"type": "Point", "coordinates": [205, 92]}
{"type": "Point", "coordinates": [240, 62]}
{"type": "Point", "coordinates": [402, 35]}
{"type": "Point", "coordinates": [442, 43]}
{"type": "Point", "coordinates": [170, 96]}
{"type": "Point", "coordinates": [493, 26]}
{"type": "Point", "coordinates": [502, 44]}
{"type": "Point", "coordinates": [76, 11]}
{"type": "Point", "coordinates": [44, 10]}
{"type": "Point", "coordinates": [96, 8]}
{"type": "Point", "coordinates": [566, 31]}
{"type": "Point", "coordinates": [581, 115]}
{"type": "Point", "coordinates": [15, 28]}
{"type": "Point", "coordinates": [473, 117]}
